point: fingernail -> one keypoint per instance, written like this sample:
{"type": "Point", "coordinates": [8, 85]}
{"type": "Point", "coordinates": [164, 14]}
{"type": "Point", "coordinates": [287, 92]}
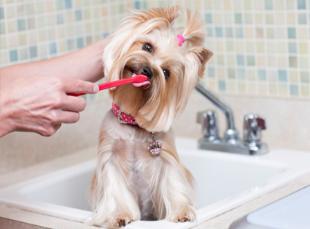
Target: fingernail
{"type": "Point", "coordinates": [96, 88]}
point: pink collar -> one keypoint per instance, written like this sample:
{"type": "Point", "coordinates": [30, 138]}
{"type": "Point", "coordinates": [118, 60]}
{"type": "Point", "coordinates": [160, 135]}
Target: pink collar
{"type": "Point", "coordinates": [123, 117]}
{"type": "Point", "coordinates": [154, 147]}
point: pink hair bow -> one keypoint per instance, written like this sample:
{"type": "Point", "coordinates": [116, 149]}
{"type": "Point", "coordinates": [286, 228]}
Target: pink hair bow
{"type": "Point", "coordinates": [181, 39]}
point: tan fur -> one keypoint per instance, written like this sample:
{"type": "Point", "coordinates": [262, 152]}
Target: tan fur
{"type": "Point", "coordinates": [131, 184]}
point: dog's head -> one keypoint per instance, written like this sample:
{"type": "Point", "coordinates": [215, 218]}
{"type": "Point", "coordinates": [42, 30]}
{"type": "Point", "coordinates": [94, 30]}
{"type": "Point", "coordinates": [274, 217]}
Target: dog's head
{"type": "Point", "coordinates": [146, 43]}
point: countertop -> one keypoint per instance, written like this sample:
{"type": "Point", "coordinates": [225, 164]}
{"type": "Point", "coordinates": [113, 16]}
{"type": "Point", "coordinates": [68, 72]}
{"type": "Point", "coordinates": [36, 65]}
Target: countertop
{"type": "Point", "coordinates": [222, 221]}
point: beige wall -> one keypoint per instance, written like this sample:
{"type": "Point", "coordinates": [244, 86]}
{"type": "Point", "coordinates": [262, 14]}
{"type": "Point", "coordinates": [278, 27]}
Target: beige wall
{"type": "Point", "coordinates": [288, 126]}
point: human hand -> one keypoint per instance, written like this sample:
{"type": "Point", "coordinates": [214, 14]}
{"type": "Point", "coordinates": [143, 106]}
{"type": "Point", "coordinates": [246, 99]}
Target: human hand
{"type": "Point", "coordinates": [40, 104]}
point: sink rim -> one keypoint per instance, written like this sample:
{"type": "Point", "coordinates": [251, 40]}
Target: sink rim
{"type": "Point", "coordinates": [204, 213]}
{"type": "Point", "coordinates": [8, 197]}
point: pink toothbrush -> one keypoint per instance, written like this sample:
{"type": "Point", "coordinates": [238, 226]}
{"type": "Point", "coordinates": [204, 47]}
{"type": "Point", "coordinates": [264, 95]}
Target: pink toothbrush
{"type": "Point", "coordinates": [137, 79]}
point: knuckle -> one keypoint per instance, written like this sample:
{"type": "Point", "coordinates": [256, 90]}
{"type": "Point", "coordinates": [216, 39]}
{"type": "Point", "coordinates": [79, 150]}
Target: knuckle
{"type": "Point", "coordinates": [58, 100]}
{"type": "Point", "coordinates": [52, 117]}
{"type": "Point", "coordinates": [47, 132]}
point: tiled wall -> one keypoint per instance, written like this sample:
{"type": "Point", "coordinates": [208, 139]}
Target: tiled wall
{"type": "Point", "coordinates": [262, 47]}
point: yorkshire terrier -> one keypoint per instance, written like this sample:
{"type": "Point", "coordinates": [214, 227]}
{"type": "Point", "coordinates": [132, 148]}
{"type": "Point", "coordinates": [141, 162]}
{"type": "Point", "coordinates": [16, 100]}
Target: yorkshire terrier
{"type": "Point", "coordinates": [139, 175]}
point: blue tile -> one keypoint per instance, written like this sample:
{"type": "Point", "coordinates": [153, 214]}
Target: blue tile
{"type": "Point", "coordinates": [13, 55]}
{"type": "Point", "coordinates": [301, 4]}
{"type": "Point", "coordinates": [240, 73]}
{"type": "Point", "coordinates": [219, 31]}
{"type": "Point", "coordinates": [1, 13]}
{"type": "Point", "coordinates": [137, 5]}
{"type": "Point", "coordinates": [105, 34]}
{"type": "Point", "coordinates": [302, 19]}
{"type": "Point", "coordinates": [53, 48]}
{"type": "Point", "coordinates": [211, 72]}
{"type": "Point", "coordinates": [240, 60]}
{"type": "Point", "coordinates": [282, 75]}
{"type": "Point", "coordinates": [239, 32]}
{"type": "Point", "coordinates": [294, 89]}
{"type": "Point", "coordinates": [291, 32]}
{"type": "Point", "coordinates": [208, 18]}
{"type": "Point", "coordinates": [238, 18]}
{"type": "Point", "coordinates": [292, 48]}
{"type": "Point", "coordinates": [262, 75]}
{"type": "Point", "coordinates": [33, 51]}
{"type": "Point", "coordinates": [222, 85]}
{"type": "Point", "coordinates": [250, 60]}
{"type": "Point", "coordinates": [21, 24]}
{"type": "Point", "coordinates": [78, 15]}
{"type": "Point", "coordinates": [80, 42]}
{"type": "Point", "coordinates": [268, 5]}
{"type": "Point", "coordinates": [60, 19]}
{"type": "Point", "coordinates": [68, 4]}
{"type": "Point", "coordinates": [229, 32]}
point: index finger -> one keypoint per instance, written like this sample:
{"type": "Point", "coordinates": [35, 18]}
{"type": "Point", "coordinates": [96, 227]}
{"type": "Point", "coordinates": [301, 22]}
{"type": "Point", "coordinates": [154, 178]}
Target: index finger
{"type": "Point", "coordinates": [80, 86]}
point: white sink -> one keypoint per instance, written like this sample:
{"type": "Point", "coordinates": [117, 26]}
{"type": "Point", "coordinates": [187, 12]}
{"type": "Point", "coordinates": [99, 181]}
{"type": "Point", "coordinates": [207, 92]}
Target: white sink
{"type": "Point", "coordinates": [223, 181]}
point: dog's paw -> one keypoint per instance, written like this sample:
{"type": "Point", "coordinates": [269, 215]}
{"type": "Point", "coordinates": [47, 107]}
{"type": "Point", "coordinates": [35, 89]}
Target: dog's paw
{"type": "Point", "coordinates": [186, 215]}
{"type": "Point", "coordinates": [112, 222]}
{"type": "Point", "coordinates": [119, 221]}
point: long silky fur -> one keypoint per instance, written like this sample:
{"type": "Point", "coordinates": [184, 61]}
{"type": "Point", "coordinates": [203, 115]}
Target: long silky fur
{"type": "Point", "coordinates": [129, 183]}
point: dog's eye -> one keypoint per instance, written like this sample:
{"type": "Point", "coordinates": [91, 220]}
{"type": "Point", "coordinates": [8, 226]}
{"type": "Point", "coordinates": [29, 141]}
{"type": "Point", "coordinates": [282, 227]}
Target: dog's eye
{"type": "Point", "coordinates": [147, 47]}
{"type": "Point", "coordinates": [166, 73]}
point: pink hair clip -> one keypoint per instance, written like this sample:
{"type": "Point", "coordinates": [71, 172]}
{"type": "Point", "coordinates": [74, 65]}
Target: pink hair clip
{"type": "Point", "coordinates": [181, 39]}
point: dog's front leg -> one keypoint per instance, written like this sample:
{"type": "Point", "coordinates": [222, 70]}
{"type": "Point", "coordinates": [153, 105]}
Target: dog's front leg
{"type": "Point", "coordinates": [115, 205]}
{"type": "Point", "coordinates": [175, 193]}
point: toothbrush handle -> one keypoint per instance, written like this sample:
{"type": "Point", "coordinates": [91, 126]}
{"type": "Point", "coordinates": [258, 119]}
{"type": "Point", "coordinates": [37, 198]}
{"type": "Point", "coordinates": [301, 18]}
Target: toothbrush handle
{"type": "Point", "coordinates": [117, 83]}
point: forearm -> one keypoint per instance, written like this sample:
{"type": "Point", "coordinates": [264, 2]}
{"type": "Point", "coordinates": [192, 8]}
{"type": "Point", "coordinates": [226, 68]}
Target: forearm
{"type": "Point", "coordinates": [84, 64]}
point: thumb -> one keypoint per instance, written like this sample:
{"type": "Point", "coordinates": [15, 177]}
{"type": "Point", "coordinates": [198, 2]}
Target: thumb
{"type": "Point", "coordinates": [80, 86]}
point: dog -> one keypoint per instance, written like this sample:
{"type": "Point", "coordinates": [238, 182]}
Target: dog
{"type": "Point", "coordinates": [139, 174]}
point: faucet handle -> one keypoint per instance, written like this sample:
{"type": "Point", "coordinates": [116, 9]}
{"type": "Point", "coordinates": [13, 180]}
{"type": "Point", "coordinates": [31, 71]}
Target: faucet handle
{"type": "Point", "coordinates": [253, 122]}
{"type": "Point", "coordinates": [253, 125]}
{"type": "Point", "coordinates": [209, 125]}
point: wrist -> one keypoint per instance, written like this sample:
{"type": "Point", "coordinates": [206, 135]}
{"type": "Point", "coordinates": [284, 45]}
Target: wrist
{"type": "Point", "coordinates": [6, 122]}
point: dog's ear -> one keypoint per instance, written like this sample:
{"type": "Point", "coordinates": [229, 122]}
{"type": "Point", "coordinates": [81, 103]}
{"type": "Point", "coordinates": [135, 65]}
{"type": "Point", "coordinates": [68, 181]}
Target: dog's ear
{"type": "Point", "coordinates": [168, 14]}
{"type": "Point", "coordinates": [202, 56]}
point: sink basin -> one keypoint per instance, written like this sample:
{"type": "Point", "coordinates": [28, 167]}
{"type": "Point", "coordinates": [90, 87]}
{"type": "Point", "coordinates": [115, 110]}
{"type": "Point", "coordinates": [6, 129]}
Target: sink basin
{"type": "Point", "coordinates": [223, 181]}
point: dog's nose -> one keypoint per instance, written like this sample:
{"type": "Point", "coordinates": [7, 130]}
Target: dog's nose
{"type": "Point", "coordinates": [147, 72]}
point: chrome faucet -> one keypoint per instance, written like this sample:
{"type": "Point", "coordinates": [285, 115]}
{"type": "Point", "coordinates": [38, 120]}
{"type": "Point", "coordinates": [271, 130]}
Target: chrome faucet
{"type": "Point", "coordinates": [252, 127]}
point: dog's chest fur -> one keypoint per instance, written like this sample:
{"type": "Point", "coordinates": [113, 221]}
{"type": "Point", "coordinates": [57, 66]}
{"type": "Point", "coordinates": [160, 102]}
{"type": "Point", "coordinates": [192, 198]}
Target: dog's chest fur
{"type": "Point", "coordinates": [130, 153]}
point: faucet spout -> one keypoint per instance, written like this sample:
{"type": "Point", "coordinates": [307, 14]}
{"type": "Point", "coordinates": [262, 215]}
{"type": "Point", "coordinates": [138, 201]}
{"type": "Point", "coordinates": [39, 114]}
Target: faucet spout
{"type": "Point", "coordinates": [219, 104]}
